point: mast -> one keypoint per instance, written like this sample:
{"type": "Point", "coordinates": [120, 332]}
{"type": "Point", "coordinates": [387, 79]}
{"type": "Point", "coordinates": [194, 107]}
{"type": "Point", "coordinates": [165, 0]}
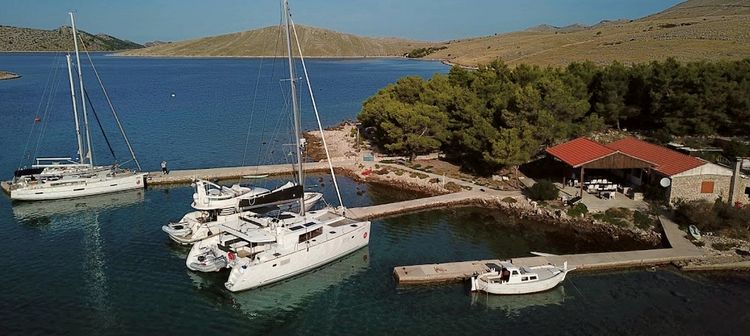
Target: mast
{"type": "Point", "coordinates": [295, 104]}
{"type": "Point", "coordinates": [75, 110]}
{"type": "Point", "coordinates": [89, 153]}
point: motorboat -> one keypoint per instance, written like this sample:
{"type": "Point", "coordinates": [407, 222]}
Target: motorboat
{"type": "Point", "coordinates": [507, 278]}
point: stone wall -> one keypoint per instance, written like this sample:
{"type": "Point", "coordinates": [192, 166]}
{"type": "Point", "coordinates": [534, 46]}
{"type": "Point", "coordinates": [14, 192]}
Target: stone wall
{"type": "Point", "coordinates": [740, 195]}
{"type": "Point", "coordinates": [688, 188]}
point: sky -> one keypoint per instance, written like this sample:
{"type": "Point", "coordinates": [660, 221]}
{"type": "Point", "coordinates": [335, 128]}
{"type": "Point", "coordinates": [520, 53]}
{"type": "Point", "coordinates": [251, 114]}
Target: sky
{"type": "Point", "coordinates": [430, 20]}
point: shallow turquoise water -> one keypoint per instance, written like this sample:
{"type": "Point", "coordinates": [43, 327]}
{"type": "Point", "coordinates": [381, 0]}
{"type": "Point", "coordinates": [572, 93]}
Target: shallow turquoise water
{"type": "Point", "coordinates": [102, 266]}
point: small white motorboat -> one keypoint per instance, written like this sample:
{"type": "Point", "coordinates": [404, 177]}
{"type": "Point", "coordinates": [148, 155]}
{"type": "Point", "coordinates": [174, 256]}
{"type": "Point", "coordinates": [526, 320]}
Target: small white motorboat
{"type": "Point", "coordinates": [694, 232]}
{"type": "Point", "coordinates": [509, 279]}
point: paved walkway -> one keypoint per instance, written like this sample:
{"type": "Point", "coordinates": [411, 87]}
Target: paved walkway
{"type": "Point", "coordinates": [681, 249]}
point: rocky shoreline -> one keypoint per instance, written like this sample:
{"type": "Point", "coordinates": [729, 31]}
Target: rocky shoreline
{"type": "Point", "coordinates": [343, 148]}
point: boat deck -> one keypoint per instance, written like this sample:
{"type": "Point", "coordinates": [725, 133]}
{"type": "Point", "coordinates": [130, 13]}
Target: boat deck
{"type": "Point", "coordinates": [681, 249]}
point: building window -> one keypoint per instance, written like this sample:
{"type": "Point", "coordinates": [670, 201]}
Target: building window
{"type": "Point", "coordinates": [707, 187]}
{"type": "Point", "coordinates": [747, 192]}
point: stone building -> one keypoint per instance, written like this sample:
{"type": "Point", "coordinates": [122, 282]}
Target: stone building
{"type": "Point", "coordinates": [642, 164]}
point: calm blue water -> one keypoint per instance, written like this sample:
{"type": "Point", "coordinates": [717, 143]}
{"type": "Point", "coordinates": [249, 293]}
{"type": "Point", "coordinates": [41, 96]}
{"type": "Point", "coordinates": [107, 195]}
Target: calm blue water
{"type": "Point", "coordinates": [102, 266]}
{"type": "Point", "coordinates": [204, 124]}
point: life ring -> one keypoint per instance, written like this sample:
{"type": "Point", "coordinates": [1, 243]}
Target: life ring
{"type": "Point", "coordinates": [364, 235]}
{"type": "Point", "coordinates": [230, 255]}
{"type": "Point", "coordinates": [138, 182]}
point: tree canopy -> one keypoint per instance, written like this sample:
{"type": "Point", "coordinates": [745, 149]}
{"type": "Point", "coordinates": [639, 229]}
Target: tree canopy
{"type": "Point", "coordinates": [497, 116]}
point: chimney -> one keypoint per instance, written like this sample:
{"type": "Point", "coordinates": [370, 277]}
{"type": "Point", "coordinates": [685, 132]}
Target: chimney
{"type": "Point", "coordinates": [735, 177]}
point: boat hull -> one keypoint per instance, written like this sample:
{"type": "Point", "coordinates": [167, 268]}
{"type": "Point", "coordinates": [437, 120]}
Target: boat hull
{"type": "Point", "coordinates": [518, 288]}
{"type": "Point", "coordinates": [84, 188]}
{"type": "Point", "coordinates": [300, 261]}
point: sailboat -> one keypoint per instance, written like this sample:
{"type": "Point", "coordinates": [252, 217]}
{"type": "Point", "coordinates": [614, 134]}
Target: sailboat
{"type": "Point", "coordinates": [266, 249]}
{"type": "Point", "coordinates": [61, 177]}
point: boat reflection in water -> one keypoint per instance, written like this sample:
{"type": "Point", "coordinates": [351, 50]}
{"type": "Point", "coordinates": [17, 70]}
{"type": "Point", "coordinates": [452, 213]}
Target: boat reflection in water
{"type": "Point", "coordinates": [513, 305]}
{"type": "Point", "coordinates": [65, 218]}
{"type": "Point", "coordinates": [58, 214]}
{"type": "Point", "coordinates": [292, 293]}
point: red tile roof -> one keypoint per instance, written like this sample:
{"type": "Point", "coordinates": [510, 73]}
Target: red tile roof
{"type": "Point", "coordinates": [668, 162]}
{"type": "Point", "coordinates": [579, 151]}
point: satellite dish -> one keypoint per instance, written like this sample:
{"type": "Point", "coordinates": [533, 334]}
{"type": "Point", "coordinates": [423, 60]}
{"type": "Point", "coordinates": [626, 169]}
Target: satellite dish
{"type": "Point", "coordinates": [665, 182]}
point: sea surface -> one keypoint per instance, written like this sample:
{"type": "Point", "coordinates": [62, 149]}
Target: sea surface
{"type": "Point", "coordinates": [102, 265]}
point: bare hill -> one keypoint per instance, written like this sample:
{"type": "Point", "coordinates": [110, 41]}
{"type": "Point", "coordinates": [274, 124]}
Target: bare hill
{"type": "Point", "coordinates": [269, 42]}
{"type": "Point", "coordinates": [29, 39]}
{"type": "Point", "coordinates": [692, 30]}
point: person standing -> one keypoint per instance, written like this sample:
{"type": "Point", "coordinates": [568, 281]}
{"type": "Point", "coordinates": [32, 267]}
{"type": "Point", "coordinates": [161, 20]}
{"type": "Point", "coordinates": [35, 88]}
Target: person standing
{"type": "Point", "coordinates": [164, 167]}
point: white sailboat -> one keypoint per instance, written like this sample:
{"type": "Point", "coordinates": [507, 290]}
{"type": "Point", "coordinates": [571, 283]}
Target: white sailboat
{"type": "Point", "coordinates": [268, 249]}
{"type": "Point", "coordinates": [59, 177]}
{"type": "Point", "coordinates": [510, 279]}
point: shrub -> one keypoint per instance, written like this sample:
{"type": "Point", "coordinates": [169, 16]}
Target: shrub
{"type": "Point", "coordinates": [608, 218]}
{"type": "Point", "coordinates": [453, 186]}
{"type": "Point", "coordinates": [718, 216]}
{"type": "Point", "coordinates": [380, 171]}
{"type": "Point", "coordinates": [543, 190]}
{"type": "Point", "coordinates": [619, 213]}
{"type": "Point", "coordinates": [643, 220]}
{"type": "Point", "coordinates": [510, 200]}
{"type": "Point", "coordinates": [578, 210]}
{"type": "Point", "coordinates": [724, 246]}
{"type": "Point", "coordinates": [435, 180]}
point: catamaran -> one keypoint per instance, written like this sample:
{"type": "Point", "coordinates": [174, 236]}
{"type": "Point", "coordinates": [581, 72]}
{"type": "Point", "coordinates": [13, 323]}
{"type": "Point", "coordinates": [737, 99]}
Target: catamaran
{"type": "Point", "coordinates": [61, 177]}
{"type": "Point", "coordinates": [262, 250]}
{"type": "Point", "coordinates": [219, 206]}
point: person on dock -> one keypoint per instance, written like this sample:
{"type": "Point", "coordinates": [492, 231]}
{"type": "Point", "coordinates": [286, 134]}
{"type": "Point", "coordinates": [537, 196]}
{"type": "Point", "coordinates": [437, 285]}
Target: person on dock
{"type": "Point", "coordinates": [164, 169]}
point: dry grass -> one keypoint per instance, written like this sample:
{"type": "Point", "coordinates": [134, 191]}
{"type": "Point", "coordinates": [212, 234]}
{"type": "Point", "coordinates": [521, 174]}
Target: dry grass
{"type": "Point", "coordinates": [694, 30]}
{"type": "Point", "coordinates": [316, 42]}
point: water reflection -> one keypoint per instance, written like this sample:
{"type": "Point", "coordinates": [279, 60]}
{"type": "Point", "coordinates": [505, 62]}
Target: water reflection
{"type": "Point", "coordinates": [513, 305]}
{"type": "Point", "coordinates": [82, 218]}
{"type": "Point", "coordinates": [40, 214]}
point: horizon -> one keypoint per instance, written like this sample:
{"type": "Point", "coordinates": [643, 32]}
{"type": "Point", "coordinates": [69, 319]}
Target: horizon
{"type": "Point", "coordinates": [175, 20]}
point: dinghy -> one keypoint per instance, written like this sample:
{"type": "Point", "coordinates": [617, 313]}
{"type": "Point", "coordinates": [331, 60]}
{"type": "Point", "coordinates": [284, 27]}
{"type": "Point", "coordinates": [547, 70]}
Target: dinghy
{"type": "Point", "coordinates": [694, 232]}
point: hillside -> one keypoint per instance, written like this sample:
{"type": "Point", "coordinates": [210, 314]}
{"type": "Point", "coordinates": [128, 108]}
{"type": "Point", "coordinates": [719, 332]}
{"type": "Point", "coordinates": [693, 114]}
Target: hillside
{"type": "Point", "coordinates": [29, 39]}
{"type": "Point", "coordinates": [692, 30]}
{"type": "Point", "coordinates": [269, 42]}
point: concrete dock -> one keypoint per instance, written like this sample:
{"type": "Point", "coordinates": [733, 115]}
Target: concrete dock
{"type": "Point", "coordinates": [464, 198]}
{"type": "Point", "coordinates": [225, 173]}
{"type": "Point", "coordinates": [681, 250]}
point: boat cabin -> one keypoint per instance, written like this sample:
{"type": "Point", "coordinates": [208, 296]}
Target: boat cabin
{"type": "Point", "coordinates": [509, 273]}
